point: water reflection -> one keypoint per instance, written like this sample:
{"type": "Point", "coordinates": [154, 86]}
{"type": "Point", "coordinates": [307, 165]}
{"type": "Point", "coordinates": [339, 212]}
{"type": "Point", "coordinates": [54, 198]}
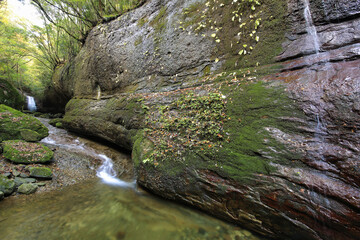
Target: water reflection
{"type": "Point", "coordinates": [93, 210]}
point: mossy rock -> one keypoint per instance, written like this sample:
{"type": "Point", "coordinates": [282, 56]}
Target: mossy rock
{"type": "Point", "coordinates": [2, 195]}
{"type": "Point", "coordinates": [7, 186]}
{"type": "Point", "coordinates": [10, 95]}
{"type": "Point", "coordinates": [23, 152]}
{"type": "Point", "coordinates": [27, 188]}
{"type": "Point", "coordinates": [40, 172]}
{"type": "Point", "coordinates": [13, 122]}
{"type": "Point", "coordinates": [46, 115]}
{"type": "Point", "coordinates": [251, 109]}
{"type": "Point", "coordinates": [19, 181]}
{"type": "Point", "coordinates": [56, 122]}
{"type": "Point", "coordinates": [30, 135]}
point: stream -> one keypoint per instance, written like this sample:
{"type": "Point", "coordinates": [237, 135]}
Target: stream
{"type": "Point", "coordinates": [105, 207]}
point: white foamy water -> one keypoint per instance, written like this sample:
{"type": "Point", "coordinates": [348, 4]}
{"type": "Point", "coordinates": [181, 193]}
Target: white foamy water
{"type": "Point", "coordinates": [108, 175]}
{"type": "Point", "coordinates": [63, 139]}
{"type": "Point", "coordinates": [31, 105]}
{"type": "Point", "coordinates": [310, 27]}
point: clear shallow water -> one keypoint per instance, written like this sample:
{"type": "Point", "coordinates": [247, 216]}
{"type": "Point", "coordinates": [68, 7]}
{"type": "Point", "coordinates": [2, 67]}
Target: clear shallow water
{"type": "Point", "coordinates": [93, 210]}
{"type": "Point", "coordinates": [105, 208]}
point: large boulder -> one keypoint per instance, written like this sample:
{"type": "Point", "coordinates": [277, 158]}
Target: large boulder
{"type": "Point", "coordinates": [15, 125]}
{"type": "Point", "coordinates": [19, 151]}
{"type": "Point", "coordinates": [272, 148]}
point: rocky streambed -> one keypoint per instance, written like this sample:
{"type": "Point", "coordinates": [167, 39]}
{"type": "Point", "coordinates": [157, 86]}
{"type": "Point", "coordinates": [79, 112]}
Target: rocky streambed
{"type": "Point", "coordinates": [75, 204]}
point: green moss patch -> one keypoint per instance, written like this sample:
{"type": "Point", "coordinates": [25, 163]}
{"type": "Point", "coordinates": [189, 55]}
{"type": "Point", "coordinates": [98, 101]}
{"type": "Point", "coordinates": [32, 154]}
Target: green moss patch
{"type": "Point", "coordinates": [27, 188]}
{"type": "Point", "coordinates": [13, 122]}
{"type": "Point", "coordinates": [56, 122]}
{"type": "Point", "coordinates": [40, 172]}
{"type": "Point", "coordinates": [180, 134]}
{"type": "Point", "coordinates": [30, 135]}
{"type": "Point", "coordinates": [160, 21]}
{"type": "Point", "coordinates": [23, 152]}
{"type": "Point", "coordinates": [252, 107]}
{"type": "Point", "coordinates": [192, 121]}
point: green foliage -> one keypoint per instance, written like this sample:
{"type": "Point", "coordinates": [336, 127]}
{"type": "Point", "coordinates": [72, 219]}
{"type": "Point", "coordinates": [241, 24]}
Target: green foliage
{"type": "Point", "coordinates": [20, 63]}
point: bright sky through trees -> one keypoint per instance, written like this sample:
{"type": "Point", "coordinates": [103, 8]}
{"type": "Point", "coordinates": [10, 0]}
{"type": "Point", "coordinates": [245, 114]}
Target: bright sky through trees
{"type": "Point", "coordinates": [24, 11]}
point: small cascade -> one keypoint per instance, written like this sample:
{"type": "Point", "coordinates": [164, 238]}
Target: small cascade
{"type": "Point", "coordinates": [310, 27]}
{"type": "Point", "coordinates": [98, 97]}
{"type": "Point", "coordinates": [31, 105]}
{"type": "Point", "coordinates": [108, 175]}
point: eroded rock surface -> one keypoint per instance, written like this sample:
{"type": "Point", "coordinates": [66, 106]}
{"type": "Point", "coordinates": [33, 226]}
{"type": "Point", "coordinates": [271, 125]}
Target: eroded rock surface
{"type": "Point", "coordinates": [281, 154]}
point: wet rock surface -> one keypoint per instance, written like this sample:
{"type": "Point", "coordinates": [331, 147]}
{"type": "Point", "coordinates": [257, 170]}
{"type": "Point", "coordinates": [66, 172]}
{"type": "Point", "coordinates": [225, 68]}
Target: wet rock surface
{"type": "Point", "coordinates": [291, 168]}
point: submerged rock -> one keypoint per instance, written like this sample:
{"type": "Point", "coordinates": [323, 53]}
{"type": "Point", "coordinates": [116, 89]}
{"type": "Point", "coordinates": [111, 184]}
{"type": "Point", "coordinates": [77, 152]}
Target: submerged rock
{"type": "Point", "coordinates": [27, 188]}
{"type": "Point", "coordinates": [19, 151]}
{"type": "Point", "coordinates": [40, 172]}
{"type": "Point", "coordinates": [17, 125]}
{"type": "Point", "coordinates": [7, 186]}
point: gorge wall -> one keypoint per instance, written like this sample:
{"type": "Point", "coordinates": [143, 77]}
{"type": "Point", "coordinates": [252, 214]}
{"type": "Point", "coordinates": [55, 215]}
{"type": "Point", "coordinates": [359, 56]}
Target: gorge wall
{"type": "Point", "coordinates": [250, 117]}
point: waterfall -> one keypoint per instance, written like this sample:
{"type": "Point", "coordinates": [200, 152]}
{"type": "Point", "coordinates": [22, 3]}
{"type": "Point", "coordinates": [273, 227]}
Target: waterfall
{"type": "Point", "coordinates": [98, 97]}
{"type": "Point", "coordinates": [108, 175]}
{"type": "Point", "coordinates": [31, 106]}
{"type": "Point", "coordinates": [310, 27]}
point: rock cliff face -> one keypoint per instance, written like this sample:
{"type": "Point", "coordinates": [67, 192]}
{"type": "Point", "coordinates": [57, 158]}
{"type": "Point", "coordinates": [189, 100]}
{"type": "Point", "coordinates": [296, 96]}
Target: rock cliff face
{"type": "Point", "coordinates": [274, 148]}
{"type": "Point", "coordinates": [10, 96]}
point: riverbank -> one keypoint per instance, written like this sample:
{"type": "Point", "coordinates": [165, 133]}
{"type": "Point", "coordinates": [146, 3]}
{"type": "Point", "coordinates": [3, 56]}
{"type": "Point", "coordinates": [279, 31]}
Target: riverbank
{"type": "Point", "coordinates": [75, 160]}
